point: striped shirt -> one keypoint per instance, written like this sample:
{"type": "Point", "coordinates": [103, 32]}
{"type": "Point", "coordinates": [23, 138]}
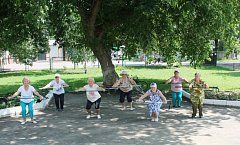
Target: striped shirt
{"type": "Point", "coordinates": [176, 84]}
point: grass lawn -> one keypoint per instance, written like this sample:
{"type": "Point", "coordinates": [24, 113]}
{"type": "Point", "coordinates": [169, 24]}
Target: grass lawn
{"type": "Point", "coordinates": [215, 76]}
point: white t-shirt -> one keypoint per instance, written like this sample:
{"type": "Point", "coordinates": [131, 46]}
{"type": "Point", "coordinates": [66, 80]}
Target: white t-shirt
{"type": "Point", "coordinates": [26, 95]}
{"type": "Point", "coordinates": [57, 87]}
{"type": "Point", "coordinates": [92, 93]}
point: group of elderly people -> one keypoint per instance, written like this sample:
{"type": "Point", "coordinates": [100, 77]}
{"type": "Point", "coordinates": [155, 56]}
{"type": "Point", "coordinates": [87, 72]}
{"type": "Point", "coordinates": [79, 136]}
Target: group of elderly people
{"type": "Point", "coordinates": [125, 86]}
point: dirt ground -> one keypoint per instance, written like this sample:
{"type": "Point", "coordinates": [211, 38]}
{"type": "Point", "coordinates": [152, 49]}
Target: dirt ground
{"type": "Point", "coordinates": [220, 126]}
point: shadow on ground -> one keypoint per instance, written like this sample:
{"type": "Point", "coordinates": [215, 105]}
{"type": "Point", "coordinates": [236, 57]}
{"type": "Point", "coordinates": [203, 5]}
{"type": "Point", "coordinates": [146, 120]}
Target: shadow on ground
{"type": "Point", "coordinates": [115, 127]}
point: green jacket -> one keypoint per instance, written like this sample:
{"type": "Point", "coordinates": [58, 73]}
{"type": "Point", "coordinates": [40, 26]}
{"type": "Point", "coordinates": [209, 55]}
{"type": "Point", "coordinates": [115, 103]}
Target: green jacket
{"type": "Point", "coordinates": [197, 91]}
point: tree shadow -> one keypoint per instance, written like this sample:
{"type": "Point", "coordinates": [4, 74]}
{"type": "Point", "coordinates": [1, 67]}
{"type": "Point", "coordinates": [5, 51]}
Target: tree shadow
{"type": "Point", "coordinates": [115, 127]}
{"type": "Point", "coordinates": [40, 72]}
{"type": "Point", "coordinates": [204, 67]}
{"type": "Point", "coordinates": [146, 67]}
{"type": "Point", "coordinates": [216, 68]}
{"type": "Point", "coordinates": [25, 73]}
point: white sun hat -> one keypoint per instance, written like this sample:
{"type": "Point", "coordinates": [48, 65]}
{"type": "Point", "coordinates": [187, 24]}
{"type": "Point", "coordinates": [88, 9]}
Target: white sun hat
{"type": "Point", "coordinates": [153, 85]}
{"type": "Point", "coordinates": [124, 72]}
{"type": "Point", "coordinates": [57, 75]}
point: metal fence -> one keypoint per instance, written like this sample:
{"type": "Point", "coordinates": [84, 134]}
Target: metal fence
{"type": "Point", "coordinates": [52, 63]}
{"type": "Point", "coordinates": [232, 66]}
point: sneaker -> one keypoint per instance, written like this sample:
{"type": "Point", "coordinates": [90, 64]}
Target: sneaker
{"type": "Point", "coordinates": [23, 122]}
{"type": "Point", "coordinates": [61, 110]}
{"type": "Point", "coordinates": [34, 122]}
{"type": "Point", "coordinates": [98, 116]}
{"type": "Point", "coordinates": [123, 108]}
{"type": "Point", "coordinates": [132, 109]}
{"type": "Point", "coordinates": [153, 119]}
{"type": "Point", "coordinates": [156, 119]}
{"type": "Point", "coordinates": [88, 116]}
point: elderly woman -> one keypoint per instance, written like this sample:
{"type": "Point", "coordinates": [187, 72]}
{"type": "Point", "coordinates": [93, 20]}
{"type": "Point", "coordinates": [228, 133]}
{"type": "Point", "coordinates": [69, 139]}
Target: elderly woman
{"type": "Point", "coordinates": [197, 87]}
{"type": "Point", "coordinates": [93, 97]}
{"type": "Point", "coordinates": [176, 87]}
{"type": "Point", "coordinates": [125, 85]}
{"type": "Point", "coordinates": [58, 91]}
{"type": "Point", "coordinates": [26, 98]}
{"type": "Point", "coordinates": [156, 100]}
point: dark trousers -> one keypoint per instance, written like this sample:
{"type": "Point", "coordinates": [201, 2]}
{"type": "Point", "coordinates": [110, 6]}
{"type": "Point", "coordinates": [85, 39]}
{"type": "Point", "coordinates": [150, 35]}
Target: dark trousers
{"type": "Point", "coordinates": [195, 107]}
{"type": "Point", "coordinates": [124, 94]}
{"type": "Point", "coordinates": [97, 104]}
{"type": "Point", "coordinates": [59, 98]}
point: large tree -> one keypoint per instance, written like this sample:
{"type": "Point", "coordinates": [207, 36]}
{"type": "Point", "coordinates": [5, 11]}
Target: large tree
{"type": "Point", "coordinates": [178, 26]}
{"type": "Point", "coordinates": [167, 26]}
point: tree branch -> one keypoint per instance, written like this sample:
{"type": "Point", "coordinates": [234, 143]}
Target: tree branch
{"type": "Point", "coordinates": [93, 16]}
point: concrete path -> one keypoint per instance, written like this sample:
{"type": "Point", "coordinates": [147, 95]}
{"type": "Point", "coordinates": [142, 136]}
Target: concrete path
{"type": "Point", "coordinates": [220, 126]}
{"type": "Point", "coordinates": [42, 65]}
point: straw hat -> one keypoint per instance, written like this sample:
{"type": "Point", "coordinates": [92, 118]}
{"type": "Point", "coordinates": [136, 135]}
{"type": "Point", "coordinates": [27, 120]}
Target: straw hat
{"type": "Point", "coordinates": [124, 72]}
{"type": "Point", "coordinates": [197, 74]}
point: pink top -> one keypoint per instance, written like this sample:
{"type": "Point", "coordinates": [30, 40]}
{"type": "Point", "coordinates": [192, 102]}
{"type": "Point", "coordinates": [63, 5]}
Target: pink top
{"type": "Point", "coordinates": [176, 84]}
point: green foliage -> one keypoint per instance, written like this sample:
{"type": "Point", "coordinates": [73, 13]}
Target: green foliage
{"type": "Point", "coordinates": [23, 25]}
{"type": "Point", "coordinates": [167, 27]}
{"type": "Point", "coordinates": [77, 55]}
{"type": "Point", "coordinates": [26, 53]}
{"type": "Point", "coordinates": [185, 26]}
{"type": "Point", "coordinates": [65, 24]}
{"type": "Point", "coordinates": [223, 95]}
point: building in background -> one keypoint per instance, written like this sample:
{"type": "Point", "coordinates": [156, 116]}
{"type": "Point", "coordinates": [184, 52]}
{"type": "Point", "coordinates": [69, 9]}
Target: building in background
{"type": "Point", "coordinates": [55, 52]}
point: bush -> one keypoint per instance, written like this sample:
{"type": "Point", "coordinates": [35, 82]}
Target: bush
{"type": "Point", "coordinates": [210, 95]}
{"type": "Point", "coordinates": [3, 106]}
{"type": "Point", "coordinates": [222, 95]}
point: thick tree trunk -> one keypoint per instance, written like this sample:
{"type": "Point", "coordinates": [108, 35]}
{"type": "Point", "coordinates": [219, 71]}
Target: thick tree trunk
{"type": "Point", "coordinates": [94, 35]}
{"type": "Point", "coordinates": [104, 57]}
{"type": "Point", "coordinates": [64, 53]}
{"type": "Point", "coordinates": [213, 56]}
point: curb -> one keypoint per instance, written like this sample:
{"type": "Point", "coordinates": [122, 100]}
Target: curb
{"type": "Point", "coordinates": [222, 102]}
{"type": "Point", "coordinates": [14, 111]}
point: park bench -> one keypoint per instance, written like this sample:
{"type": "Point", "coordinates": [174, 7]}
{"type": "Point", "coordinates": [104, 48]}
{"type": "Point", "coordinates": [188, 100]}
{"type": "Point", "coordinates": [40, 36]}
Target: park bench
{"type": "Point", "coordinates": [186, 92]}
{"type": "Point", "coordinates": [138, 88]}
{"type": "Point", "coordinates": [215, 89]}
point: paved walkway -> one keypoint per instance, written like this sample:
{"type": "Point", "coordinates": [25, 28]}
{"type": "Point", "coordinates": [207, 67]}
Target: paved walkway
{"type": "Point", "coordinates": [41, 65]}
{"type": "Point", "coordinates": [220, 126]}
